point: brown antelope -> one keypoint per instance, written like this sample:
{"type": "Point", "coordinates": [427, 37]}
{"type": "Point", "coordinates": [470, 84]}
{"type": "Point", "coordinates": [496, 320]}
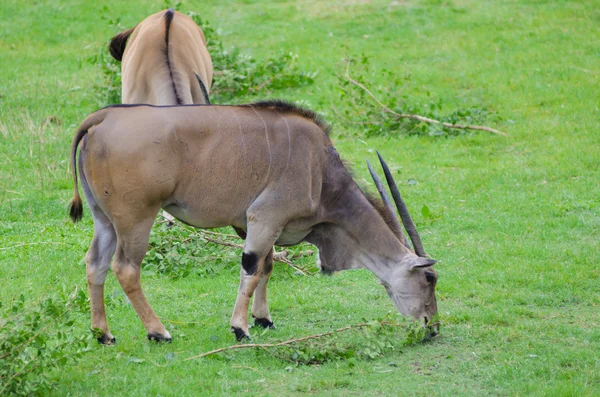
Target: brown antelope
{"type": "Point", "coordinates": [165, 61]}
{"type": "Point", "coordinates": [268, 169]}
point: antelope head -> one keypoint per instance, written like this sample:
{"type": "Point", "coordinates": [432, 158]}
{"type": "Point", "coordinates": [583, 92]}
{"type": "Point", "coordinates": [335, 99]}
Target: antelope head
{"type": "Point", "coordinates": [411, 284]}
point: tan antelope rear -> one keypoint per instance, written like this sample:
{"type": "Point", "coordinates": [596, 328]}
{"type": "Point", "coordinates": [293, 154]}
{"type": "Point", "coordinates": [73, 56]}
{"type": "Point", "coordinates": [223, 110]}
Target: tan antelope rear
{"type": "Point", "coordinates": [268, 169]}
{"type": "Point", "coordinates": [164, 61]}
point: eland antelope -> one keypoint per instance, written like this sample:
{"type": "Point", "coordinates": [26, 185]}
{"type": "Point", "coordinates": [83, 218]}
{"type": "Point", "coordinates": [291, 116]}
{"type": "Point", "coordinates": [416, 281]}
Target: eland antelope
{"type": "Point", "coordinates": [268, 169]}
{"type": "Point", "coordinates": [164, 61]}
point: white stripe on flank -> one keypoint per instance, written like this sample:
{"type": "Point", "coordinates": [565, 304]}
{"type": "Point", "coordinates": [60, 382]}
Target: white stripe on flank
{"type": "Point", "coordinates": [287, 164]}
{"type": "Point", "coordinates": [268, 143]}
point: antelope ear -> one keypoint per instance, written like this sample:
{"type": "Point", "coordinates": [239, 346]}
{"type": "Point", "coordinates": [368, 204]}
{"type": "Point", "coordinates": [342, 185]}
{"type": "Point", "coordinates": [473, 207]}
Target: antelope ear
{"type": "Point", "coordinates": [419, 261]}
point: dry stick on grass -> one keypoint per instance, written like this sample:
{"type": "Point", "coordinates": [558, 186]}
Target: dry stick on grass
{"type": "Point", "coordinates": [285, 343]}
{"type": "Point", "coordinates": [415, 116]}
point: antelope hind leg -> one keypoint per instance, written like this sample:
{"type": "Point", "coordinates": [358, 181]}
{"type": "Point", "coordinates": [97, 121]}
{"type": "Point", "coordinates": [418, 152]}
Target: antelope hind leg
{"type": "Point", "coordinates": [131, 248]}
{"type": "Point", "coordinates": [97, 262]}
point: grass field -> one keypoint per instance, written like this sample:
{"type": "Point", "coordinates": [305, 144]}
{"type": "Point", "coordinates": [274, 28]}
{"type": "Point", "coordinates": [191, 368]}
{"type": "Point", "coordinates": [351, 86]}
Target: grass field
{"type": "Point", "coordinates": [514, 221]}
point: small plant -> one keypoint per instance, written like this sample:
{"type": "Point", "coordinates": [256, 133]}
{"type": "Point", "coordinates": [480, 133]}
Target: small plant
{"type": "Point", "coordinates": [108, 91]}
{"type": "Point", "coordinates": [237, 74]}
{"type": "Point", "coordinates": [179, 251]}
{"type": "Point", "coordinates": [36, 339]}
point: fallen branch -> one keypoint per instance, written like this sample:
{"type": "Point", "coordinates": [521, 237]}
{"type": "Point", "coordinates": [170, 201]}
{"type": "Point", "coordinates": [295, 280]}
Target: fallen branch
{"type": "Point", "coordinates": [282, 256]}
{"type": "Point", "coordinates": [204, 231]}
{"type": "Point", "coordinates": [224, 243]}
{"type": "Point", "coordinates": [291, 264]}
{"type": "Point", "coordinates": [285, 343]}
{"type": "Point", "coordinates": [43, 329]}
{"type": "Point", "coordinates": [415, 116]}
{"type": "Point", "coordinates": [278, 257]}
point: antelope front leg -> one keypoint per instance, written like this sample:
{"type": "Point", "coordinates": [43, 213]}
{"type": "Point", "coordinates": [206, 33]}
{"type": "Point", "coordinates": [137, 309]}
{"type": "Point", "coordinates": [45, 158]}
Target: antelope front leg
{"type": "Point", "coordinates": [260, 305]}
{"type": "Point", "coordinates": [249, 278]}
{"type": "Point", "coordinates": [260, 238]}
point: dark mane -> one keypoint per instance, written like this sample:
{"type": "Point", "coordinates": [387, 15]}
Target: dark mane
{"type": "Point", "coordinates": [289, 107]}
{"type": "Point", "coordinates": [345, 174]}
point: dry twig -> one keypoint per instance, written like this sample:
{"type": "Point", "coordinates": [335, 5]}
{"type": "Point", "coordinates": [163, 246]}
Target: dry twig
{"type": "Point", "coordinates": [284, 254]}
{"type": "Point", "coordinates": [416, 116]}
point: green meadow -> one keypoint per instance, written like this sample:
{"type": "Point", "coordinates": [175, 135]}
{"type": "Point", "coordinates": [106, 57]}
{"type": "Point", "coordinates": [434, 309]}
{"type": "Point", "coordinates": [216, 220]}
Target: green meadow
{"type": "Point", "coordinates": [513, 220]}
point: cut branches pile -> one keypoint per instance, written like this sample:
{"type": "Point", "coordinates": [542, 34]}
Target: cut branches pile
{"type": "Point", "coordinates": [310, 349]}
{"type": "Point", "coordinates": [232, 241]}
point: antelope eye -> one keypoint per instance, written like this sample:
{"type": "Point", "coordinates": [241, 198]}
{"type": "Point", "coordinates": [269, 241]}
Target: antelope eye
{"type": "Point", "coordinates": [430, 277]}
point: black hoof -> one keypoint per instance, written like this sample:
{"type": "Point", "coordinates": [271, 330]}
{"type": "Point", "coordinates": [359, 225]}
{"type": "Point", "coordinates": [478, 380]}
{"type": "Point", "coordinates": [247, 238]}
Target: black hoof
{"type": "Point", "coordinates": [155, 337]}
{"type": "Point", "coordinates": [240, 335]}
{"type": "Point", "coordinates": [263, 322]}
{"type": "Point", "coordinates": [433, 330]}
{"type": "Point", "coordinates": [106, 340]}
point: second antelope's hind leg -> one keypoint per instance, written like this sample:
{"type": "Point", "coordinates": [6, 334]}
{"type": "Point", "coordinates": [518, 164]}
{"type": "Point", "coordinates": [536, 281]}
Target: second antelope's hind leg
{"type": "Point", "coordinates": [133, 234]}
{"type": "Point", "coordinates": [97, 262]}
{"type": "Point", "coordinates": [260, 305]}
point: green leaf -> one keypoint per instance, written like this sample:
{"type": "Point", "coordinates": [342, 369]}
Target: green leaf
{"type": "Point", "coordinates": [426, 212]}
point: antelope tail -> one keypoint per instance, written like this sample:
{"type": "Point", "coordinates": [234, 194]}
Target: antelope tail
{"type": "Point", "coordinates": [76, 206]}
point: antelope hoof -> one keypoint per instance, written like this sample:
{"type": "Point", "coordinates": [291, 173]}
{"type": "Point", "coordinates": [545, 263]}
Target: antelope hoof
{"type": "Point", "coordinates": [106, 340]}
{"type": "Point", "coordinates": [240, 335]}
{"type": "Point", "coordinates": [156, 337]}
{"type": "Point", "coordinates": [433, 329]}
{"type": "Point", "coordinates": [263, 322]}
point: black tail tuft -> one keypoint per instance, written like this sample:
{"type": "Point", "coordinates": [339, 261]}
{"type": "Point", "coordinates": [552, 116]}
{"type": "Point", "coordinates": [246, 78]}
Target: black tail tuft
{"type": "Point", "coordinates": [169, 15]}
{"type": "Point", "coordinates": [76, 209]}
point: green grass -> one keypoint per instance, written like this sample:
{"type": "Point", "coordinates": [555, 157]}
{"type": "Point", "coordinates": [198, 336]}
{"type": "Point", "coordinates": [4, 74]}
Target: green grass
{"type": "Point", "coordinates": [515, 221]}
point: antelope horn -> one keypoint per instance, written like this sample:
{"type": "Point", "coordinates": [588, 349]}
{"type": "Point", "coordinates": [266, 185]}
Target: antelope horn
{"type": "Point", "coordinates": [402, 209]}
{"type": "Point", "coordinates": [388, 204]}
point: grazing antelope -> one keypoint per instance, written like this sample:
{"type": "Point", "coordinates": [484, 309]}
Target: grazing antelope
{"type": "Point", "coordinates": [268, 169]}
{"type": "Point", "coordinates": [165, 61]}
